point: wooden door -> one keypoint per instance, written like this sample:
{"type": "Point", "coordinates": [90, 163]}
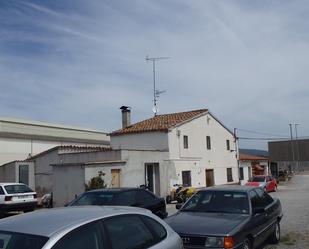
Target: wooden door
{"type": "Point", "coordinates": [210, 179]}
{"type": "Point", "coordinates": [115, 178]}
{"type": "Point", "coordinates": [186, 178]}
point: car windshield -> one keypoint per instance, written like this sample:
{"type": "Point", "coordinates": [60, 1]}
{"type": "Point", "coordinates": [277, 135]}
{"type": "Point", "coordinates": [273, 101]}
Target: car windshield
{"type": "Point", "coordinates": [17, 189]}
{"type": "Point", "coordinates": [95, 198]}
{"type": "Point", "coordinates": [258, 179]}
{"type": "Point", "coordinates": [9, 240]}
{"type": "Point", "coordinates": [218, 202]}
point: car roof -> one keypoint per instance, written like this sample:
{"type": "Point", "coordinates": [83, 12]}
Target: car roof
{"type": "Point", "coordinates": [59, 220]}
{"type": "Point", "coordinates": [235, 188]}
{"type": "Point", "coordinates": [112, 189]}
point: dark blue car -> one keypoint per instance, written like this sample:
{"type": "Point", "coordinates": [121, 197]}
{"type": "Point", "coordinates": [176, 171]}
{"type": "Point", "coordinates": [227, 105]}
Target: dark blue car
{"type": "Point", "coordinates": [228, 217]}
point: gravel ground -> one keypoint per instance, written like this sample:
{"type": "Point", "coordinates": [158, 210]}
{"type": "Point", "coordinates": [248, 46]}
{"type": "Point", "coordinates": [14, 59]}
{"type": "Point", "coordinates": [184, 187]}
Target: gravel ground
{"type": "Point", "coordinates": [294, 197]}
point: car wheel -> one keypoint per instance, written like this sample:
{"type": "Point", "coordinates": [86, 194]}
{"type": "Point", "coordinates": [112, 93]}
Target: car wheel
{"type": "Point", "coordinates": [246, 244]}
{"type": "Point", "coordinates": [275, 236]}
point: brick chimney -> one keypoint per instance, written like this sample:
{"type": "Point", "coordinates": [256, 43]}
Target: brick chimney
{"type": "Point", "coordinates": [126, 116]}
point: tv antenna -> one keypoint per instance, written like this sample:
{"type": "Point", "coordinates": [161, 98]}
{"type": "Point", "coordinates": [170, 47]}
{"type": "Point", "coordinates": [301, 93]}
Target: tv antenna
{"type": "Point", "coordinates": [156, 92]}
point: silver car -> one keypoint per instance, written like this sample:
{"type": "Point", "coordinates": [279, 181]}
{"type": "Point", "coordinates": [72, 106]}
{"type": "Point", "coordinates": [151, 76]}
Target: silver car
{"type": "Point", "coordinates": [88, 227]}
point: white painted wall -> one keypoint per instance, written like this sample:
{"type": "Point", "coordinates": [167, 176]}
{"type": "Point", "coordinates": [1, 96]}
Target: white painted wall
{"type": "Point", "coordinates": [141, 141]}
{"type": "Point", "coordinates": [93, 170]}
{"type": "Point", "coordinates": [68, 181]}
{"type": "Point", "coordinates": [12, 149]}
{"type": "Point", "coordinates": [10, 173]}
{"type": "Point", "coordinates": [197, 158]}
{"type": "Point", "coordinates": [133, 171]}
{"type": "Point", "coordinates": [246, 165]}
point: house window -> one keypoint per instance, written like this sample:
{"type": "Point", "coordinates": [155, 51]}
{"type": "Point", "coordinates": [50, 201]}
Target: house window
{"type": "Point", "coordinates": [185, 142]}
{"type": "Point", "coordinates": [208, 142]}
{"type": "Point", "coordinates": [241, 173]}
{"type": "Point", "coordinates": [186, 178]}
{"type": "Point", "coordinates": [229, 174]}
{"type": "Point", "coordinates": [228, 144]}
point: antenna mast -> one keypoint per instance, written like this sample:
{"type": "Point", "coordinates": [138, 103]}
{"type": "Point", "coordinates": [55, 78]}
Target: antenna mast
{"type": "Point", "coordinates": [156, 93]}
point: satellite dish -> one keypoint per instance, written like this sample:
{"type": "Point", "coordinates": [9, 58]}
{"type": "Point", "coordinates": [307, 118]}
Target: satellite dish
{"type": "Point", "coordinates": [155, 110]}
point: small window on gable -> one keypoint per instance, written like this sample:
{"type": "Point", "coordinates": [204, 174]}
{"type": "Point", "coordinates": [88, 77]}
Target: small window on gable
{"type": "Point", "coordinates": [185, 142]}
{"type": "Point", "coordinates": [228, 144]}
{"type": "Point", "coordinates": [208, 142]}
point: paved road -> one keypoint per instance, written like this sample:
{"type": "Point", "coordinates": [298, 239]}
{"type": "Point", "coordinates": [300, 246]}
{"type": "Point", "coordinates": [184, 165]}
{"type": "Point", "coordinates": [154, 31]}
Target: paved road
{"type": "Point", "coordinates": [294, 196]}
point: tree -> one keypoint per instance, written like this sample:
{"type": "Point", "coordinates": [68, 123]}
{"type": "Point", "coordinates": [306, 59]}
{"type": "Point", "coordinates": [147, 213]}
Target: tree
{"type": "Point", "coordinates": [96, 182]}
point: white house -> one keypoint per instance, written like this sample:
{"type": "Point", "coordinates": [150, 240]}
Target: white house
{"type": "Point", "coordinates": [191, 148]}
{"type": "Point", "coordinates": [251, 165]}
{"type": "Point", "coordinates": [20, 139]}
{"type": "Point", "coordinates": [199, 150]}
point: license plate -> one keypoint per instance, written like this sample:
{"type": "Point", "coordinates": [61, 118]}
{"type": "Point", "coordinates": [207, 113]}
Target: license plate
{"type": "Point", "coordinates": [24, 197]}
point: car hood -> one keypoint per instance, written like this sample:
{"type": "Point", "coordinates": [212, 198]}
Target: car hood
{"type": "Point", "coordinates": [205, 223]}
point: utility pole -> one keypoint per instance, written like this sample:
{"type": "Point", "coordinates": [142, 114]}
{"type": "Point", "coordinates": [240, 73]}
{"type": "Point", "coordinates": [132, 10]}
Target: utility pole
{"type": "Point", "coordinates": [297, 148]}
{"type": "Point", "coordinates": [237, 154]}
{"type": "Point", "coordinates": [156, 93]}
{"type": "Point", "coordinates": [292, 146]}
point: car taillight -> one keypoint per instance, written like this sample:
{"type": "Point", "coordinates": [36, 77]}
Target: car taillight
{"type": "Point", "coordinates": [8, 198]}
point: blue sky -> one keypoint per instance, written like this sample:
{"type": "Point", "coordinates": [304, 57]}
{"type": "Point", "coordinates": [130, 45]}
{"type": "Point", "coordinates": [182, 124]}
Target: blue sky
{"type": "Point", "coordinates": [76, 62]}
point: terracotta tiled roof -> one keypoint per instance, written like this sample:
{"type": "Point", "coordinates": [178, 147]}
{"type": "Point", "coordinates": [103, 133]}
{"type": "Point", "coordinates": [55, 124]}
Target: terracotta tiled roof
{"type": "Point", "coordinates": [160, 122]}
{"type": "Point", "coordinates": [247, 157]}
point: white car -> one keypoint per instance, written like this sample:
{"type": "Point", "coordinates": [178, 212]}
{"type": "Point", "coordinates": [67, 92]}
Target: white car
{"type": "Point", "coordinates": [88, 227]}
{"type": "Point", "coordinates": [16, 197]}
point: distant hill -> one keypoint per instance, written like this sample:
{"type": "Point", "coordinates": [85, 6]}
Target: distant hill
{"type": "Point", "coordinates": [263, 153]}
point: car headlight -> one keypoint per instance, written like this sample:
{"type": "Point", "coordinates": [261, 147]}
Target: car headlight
{"type": "Point", "coordinates": [214, 242]}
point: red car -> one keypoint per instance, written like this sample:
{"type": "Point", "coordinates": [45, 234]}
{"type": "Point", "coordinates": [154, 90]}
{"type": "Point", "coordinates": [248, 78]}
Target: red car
{"type": "Point", "coordinates": [268, 183]}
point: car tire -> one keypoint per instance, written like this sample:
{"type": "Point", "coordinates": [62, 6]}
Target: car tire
{"type": "Point", "coordinates": [275, 236]}
{"type": "Point", "coordinates": [247, 244]}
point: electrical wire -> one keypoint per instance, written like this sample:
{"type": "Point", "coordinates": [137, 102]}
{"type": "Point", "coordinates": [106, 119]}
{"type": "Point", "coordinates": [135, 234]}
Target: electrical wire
{"type": "Point", "coordinates": [261, 138]}
{"type": "Point", "coordinates": [260, 133]}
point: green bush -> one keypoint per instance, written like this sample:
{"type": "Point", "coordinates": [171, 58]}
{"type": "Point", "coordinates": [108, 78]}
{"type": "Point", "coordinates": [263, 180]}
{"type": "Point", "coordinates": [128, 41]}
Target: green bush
{"type": "Point", "coordinates": [96, 182]}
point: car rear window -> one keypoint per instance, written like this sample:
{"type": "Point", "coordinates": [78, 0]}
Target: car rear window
{"type": "Point", "coordinates": [258, 179]}
{"type": "Point", "coordinates": [9, 240]}
{"type": "Point", "coordinates": [17, 189]}
{"type": "Point", "coordinates": [95, 198]}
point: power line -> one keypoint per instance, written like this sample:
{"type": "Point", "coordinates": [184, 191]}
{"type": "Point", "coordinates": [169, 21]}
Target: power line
{"type": "Point", "coordinates": [262, 138]}
{"type": "Point", "coordinates": [260, 133]}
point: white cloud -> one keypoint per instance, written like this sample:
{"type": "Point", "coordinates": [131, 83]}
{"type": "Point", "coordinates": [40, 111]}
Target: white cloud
{"type": "Point", "coordinates": [246, 61]}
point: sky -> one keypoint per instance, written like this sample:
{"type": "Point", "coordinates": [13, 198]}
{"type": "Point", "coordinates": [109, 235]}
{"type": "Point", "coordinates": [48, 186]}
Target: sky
{"type": "Point", "coordinates": [76, 62]}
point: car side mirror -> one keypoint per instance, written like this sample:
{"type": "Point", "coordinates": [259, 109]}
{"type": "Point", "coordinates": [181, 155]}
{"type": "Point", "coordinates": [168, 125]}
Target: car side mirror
{"type": "Point", "coordinates": [178, 206]}
{"type": "Point", "coordinates": [1, 243]}
{"type": "Point", "coordinates": [259, 210]}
